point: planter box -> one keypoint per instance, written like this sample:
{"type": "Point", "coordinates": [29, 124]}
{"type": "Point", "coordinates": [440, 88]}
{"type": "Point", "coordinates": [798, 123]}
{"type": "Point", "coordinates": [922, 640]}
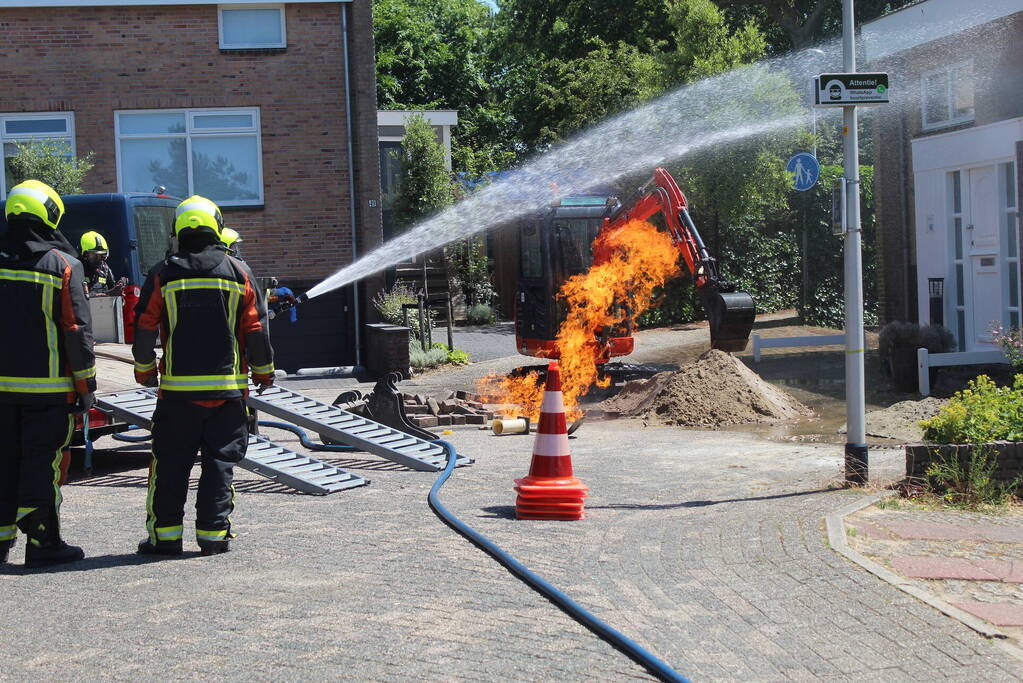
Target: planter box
{"type": "Point", "coordinates": [1008, 456]}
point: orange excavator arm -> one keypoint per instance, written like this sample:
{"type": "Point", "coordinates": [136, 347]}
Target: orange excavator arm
{"type": "Point", "coordinates": [730, 312]}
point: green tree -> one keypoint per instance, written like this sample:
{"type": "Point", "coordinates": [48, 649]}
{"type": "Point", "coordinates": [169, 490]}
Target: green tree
{"type": "Point", "coordinates": [435, 54]}
{"type": "Point", "coordinates": [424, 186]}
{"type": "Point", "coordinates": [796, 24]}
{"type": "Point", "coordinates": [51, 162]}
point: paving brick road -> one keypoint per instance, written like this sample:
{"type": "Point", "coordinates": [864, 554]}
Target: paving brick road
{"type": "Point", "coordinates": [706, 547]}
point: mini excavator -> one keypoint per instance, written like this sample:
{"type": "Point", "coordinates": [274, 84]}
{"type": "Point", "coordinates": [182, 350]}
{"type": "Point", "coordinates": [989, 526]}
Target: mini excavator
{"type": "Point", "coordinates": [559, 243]}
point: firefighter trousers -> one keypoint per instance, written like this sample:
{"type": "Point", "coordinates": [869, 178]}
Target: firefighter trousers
{"type": "Point", "coordinates": [32, 442]}
{"type": "Point", "coordinates": [181, 430]}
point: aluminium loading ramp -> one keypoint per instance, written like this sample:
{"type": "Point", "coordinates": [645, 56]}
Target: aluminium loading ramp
{"type": "Point", "coordinates": [263, 457]}
{"type": "Point", "coordinates": [353, 430]}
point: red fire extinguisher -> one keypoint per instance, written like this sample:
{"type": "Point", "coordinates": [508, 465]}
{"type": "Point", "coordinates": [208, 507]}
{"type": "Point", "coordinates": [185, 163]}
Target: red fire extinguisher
{"type": "Point", "coordinates": [131, 298]}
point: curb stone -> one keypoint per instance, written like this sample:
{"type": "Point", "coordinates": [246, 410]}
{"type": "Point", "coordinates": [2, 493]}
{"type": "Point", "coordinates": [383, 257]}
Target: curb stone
{"type": "Point", "coordinates": [837, 540]}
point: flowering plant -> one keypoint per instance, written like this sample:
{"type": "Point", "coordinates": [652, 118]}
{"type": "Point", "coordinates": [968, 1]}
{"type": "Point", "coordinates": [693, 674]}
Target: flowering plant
{"type": "Point", "coordinates": [1011, 341]}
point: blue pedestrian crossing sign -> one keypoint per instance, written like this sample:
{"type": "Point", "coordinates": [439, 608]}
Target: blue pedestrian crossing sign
{"type": "Point", "coordinates": [805, 170]}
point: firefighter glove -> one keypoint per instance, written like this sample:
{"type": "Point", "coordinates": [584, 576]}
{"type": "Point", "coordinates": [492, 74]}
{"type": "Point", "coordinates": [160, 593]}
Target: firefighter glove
{"type": "Point", "coordinates": [263, 380]}
{"type": "Point", "coordinates": [84, 402]}
{"type": "Point", "coordinates": [147, 379]}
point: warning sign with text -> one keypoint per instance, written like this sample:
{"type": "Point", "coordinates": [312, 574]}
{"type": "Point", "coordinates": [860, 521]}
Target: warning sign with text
{"type": "Point", "coordinates": [842, 90]}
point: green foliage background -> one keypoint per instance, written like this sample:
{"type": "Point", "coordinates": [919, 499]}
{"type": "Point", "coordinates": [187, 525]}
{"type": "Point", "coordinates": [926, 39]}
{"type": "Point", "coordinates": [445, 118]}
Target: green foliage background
{"type": "Point", "coordinates": [528, 77]}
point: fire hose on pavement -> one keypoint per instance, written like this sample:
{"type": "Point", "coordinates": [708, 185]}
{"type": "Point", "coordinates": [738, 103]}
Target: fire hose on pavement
{"type": "Point", "coordinates": [569, 606]}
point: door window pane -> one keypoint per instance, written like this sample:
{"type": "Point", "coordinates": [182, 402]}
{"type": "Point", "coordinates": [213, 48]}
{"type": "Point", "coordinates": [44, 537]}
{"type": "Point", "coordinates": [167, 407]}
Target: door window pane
{"type": "Point", "coordinates": [146, 164]}
{"type": "Point", "coordinates": [958, 237]}
{"type": "Point", "coordinates": [957, 192]}
{"type": "Point", "coordinates": [961, 329]}
{"type": "Point", "coordinates": [1013, 285]}
{"type": "Point", "coordinates": [35, 126]}
{"type": "Point", "coordinates": [222, 121]}
{"type": "Point", "coordinates": [959, 285]}
{"type": "Point", "coordinates": [1012, 235]}
{"type": "Point", "coordinates": [137, 124]}
{"type": "Point", "coordinates": [225, 169]}
{"type": "Point", "coordinates": [252, 27]}
{"type": "Point", "coordinates": [1010, 185]}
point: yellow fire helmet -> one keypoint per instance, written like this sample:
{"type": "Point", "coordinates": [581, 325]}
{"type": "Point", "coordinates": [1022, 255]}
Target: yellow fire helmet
{"type": "Point", "coordinates": [33, 198]}
{"type": "Point", "coordinates": [92, 241]}
{"type": "Point", "coordinates": [196, 213]}
{"type": "Point", "coordinates": [229, 237]}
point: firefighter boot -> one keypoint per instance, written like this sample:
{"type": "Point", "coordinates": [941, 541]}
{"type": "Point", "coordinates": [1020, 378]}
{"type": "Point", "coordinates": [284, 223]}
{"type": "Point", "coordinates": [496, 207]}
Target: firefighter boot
{"type": "Point", "coordinates": [5, 548]}
{"type": "Point", "coordinates": [45, 546]}
{"type": "Point", "coordinates": [214, 547]}
{"type": "Point", "coordinates": [147, 547]}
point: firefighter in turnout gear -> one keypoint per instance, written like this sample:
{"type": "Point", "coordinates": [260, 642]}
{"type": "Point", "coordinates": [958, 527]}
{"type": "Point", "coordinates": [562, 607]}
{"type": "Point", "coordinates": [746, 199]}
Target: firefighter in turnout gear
{"type": "Point", "coordinates": [232, 242]}
{"type": "Point", "coordinates": [203, 305]}
{"type": "Point", "coordinates": [47, 370]}
{"type": "Point", "coordinates": [99, 279]}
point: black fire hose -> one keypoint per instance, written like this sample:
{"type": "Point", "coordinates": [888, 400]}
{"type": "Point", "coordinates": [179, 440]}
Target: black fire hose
{"type": "Point", "coordinates": [569, 606]}
{"type": "Point", "coordinates": [304, 438]}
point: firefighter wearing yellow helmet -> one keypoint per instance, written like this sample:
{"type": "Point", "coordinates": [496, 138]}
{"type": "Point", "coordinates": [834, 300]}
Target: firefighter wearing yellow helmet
{"type": "Point", "coordinates": [99, 279]}
{"type": "Point", "coordinates": [47, 370]}
{"type": "Point", "coordinates": [232, 241]}
{"type": "Point", "coordinates": [218, 336]}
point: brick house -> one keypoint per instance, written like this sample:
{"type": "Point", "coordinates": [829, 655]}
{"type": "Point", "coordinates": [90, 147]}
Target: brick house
{"type": "Point", "coordinates": [268, 108]}
{"type": "Point", "coordinates": [949, 161]}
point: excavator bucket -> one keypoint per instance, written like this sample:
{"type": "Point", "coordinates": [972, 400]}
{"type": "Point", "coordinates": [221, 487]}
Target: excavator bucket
{"type": "Point", "coordinates": [731, 318]}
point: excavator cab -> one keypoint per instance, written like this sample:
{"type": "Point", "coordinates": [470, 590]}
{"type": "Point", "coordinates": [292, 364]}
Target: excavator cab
{"type": "Point", "coordinates": [554, 246]}
{"type": "Point", "coordinates": [558, 243]}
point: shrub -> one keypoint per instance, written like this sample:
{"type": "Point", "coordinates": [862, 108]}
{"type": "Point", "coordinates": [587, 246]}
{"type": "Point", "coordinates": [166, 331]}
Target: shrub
{"type": "Point", "coordinates": [896, 335]}
{"type": "Point", "coordinates": [982, 412]}
{"type": "Point", "coordinates": [1011, 341]}
{"type": "Point", "coordinates": [430, 358]}
{"type": "Point", "coordinates": [453, 355]}
{"type": "Point", "coordinates": [51, 162]}
{"type": "Point", "coordinates": [968, 484]}
{"type": "Point", "coordinates": [481, 314]}
{"type": "Point", "coordinates": [389, 302]}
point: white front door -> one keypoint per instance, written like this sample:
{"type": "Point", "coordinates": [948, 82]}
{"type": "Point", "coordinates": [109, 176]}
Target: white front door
{"type": "Point", "coordinates": [982, 246]}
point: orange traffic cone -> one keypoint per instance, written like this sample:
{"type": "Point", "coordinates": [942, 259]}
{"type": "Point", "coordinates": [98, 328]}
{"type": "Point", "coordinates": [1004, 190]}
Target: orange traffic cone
{"type": "Point", "coordinates": [551, 491]}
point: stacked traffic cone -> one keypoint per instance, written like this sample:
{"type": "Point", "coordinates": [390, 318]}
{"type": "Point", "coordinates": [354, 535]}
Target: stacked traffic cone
{"type": "Point", "coordinates": [550, 491]}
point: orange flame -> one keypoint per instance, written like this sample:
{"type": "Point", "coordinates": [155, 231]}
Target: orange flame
{"type": "Point", "coordinates": [642, 258]}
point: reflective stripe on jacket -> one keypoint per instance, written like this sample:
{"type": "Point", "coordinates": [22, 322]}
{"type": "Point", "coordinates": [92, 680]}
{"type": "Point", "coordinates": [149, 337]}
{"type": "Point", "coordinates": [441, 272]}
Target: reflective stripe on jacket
{"type": "Point", "coordinates": [45, 327]}
{"type": "Point", "coordinates": [212, 324]}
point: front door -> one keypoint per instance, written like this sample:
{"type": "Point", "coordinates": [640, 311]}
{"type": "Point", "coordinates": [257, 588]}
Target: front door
{"type": "Point", "coordinates": [982, 245]}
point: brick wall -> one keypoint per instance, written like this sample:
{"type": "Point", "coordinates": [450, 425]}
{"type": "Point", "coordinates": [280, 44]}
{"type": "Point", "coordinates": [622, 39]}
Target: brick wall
{"type": "Point", "coordinates": [387, 350]}
{"type": "Point", "coordinates": [1007, 455]}
{"type": "Point", "coordinates": [96, 60]}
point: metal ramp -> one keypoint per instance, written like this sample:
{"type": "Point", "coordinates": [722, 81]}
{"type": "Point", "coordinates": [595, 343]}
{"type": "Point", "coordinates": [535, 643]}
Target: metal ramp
{"type": "Point", "coordinates": [264, 457]}
{"type": "Point", "coordinates": [352, 430]}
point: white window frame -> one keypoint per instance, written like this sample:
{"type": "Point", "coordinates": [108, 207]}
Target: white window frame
{"type": "Point", "coordinates": [189, 133]}
{"type": "Point", "coordinates": [952, 120]}
{"type": "Point", "coordinates": [252, 46]}
{"type": "Point", "coordinates": [28, 137]}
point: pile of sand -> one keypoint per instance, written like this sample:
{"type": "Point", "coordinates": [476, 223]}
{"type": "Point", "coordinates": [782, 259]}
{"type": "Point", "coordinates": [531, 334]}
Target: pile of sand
{"type": "Point", "coordinates": [901, 421]}
{"type": "Point", "coordinates": [716, 390]}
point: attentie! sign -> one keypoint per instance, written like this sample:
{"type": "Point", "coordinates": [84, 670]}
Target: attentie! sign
{"type": "Point", "coordinates": [842, 90]}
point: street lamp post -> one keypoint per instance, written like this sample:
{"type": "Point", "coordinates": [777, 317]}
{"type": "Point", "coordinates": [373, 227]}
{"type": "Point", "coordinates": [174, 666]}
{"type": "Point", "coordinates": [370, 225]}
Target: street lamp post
{"type": "Point", "coordinates": [856, 468]}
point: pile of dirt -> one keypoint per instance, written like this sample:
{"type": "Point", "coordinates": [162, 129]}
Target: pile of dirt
{"type": "Point", "coordinates": [718, 389]}
{"type": "Point", "coordinates": [901, 421]}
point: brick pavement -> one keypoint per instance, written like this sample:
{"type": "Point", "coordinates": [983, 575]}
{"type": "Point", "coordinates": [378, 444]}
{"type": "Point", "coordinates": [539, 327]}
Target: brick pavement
{"type": "Point", "coordinates": [971, 560]}
{"type": "Point", "coordinates": [705, 547]}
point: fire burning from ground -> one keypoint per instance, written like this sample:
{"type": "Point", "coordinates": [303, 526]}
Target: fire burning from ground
{"type": "Point", "coordinates": [640, 259]}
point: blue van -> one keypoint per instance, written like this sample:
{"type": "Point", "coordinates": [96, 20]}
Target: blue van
{"type": "Point", "coordinates": [137, 227]}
